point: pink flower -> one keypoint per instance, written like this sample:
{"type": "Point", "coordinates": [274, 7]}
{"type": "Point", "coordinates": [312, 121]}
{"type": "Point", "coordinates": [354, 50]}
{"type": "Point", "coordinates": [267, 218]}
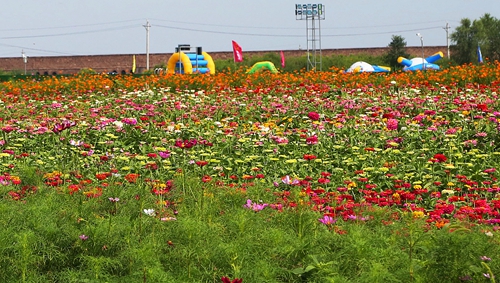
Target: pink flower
{"type": "Point", "coordinates": [255, 206]}
{"type": "Point", "coordinates": [289, 181]}
{"type": "Point", "coordinates": [164, 154]}
{"type": "Point", "coordinates": [327, 220]}
{"type": "Point", "coordinates": [392, 124]}
{"type": "Point", "coordinates": [129, 121]}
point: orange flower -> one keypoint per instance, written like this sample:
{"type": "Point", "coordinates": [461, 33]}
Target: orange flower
{"type": "Point", "coordinates": [132, 177]}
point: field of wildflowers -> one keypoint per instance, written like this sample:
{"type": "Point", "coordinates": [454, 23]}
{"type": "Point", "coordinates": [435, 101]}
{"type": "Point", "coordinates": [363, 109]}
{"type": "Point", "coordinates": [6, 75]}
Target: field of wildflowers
{"type": "Point", "coordinates": [295, 177]}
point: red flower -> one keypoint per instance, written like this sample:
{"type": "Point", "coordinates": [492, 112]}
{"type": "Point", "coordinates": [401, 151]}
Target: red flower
{"type": "Point", "coordinates": [309, 157]}
{"type": "Point", "coordinates": [439, 157]}
{"type": "Point", "coordinates": [323, 181]}
{"type": "Point", "coordinates": [201, 163]}
{"type": "Point", "coordinates": [312, 140]}
{"type": "Point", "coordinates": [313, 116]}
{"type": "Point", "coordinates": [206, 179]}
{"type": "Point", "coordinates": [186, 143]}
{"type": "Point", "coordinates": [227, 280]}
{"type": "Point", "coordinates": [102, 176]}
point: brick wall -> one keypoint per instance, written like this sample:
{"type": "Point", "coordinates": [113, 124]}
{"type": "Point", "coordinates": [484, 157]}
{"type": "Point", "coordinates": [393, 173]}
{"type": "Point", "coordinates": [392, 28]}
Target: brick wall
{"type": "Point", "coordinates": [123, 63]}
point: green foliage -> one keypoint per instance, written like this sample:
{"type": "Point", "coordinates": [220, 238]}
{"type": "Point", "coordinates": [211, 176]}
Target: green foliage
{"type": "Point", "coordinates": [397, 49]}
{"type": "Point", "coordinates": [484, 32]}
{"type": "Point", "coordinates": [87, 71]}
{"type": "Point", "coordinates": [216, 237]}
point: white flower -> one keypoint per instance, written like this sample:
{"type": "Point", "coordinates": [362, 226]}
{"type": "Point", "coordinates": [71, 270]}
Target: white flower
{"type": "Point", "coordinates": [489, 234]}
{"type": "Point", "coordinates": [118, 124]}
{"type": "Point", "coordinates": [150, 212]}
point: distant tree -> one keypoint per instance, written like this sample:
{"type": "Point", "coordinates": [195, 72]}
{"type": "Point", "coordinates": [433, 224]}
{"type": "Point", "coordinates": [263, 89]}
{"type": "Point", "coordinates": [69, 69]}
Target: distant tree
{"type": "Point", "coordinates": [489, 29]}
{"type": "Point", "coordinates": [484, 33]}
{"type": "Point", "coordinates": [464, 42]}
{"type": "Point", "coordinates": [397, 49]}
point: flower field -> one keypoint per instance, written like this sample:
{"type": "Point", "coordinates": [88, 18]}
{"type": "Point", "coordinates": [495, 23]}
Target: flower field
{"type": "Point", "coordinates": [297, 177]}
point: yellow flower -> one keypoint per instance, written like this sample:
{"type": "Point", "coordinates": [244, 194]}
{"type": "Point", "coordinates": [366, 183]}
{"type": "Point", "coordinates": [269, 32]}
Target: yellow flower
{"type": "Point", "coordinates": [418, 214]}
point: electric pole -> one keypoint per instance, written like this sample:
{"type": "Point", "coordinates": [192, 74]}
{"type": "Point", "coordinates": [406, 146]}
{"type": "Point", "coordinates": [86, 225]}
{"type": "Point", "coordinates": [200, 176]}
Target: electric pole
{"type": "Point", "coordinates": [25, 60]}
{"type": "Point", "coordinates": [447, 28]}
{"type": "Point", "coordinates": [147, 26]}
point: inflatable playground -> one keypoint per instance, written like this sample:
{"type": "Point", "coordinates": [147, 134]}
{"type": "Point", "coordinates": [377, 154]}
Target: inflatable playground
{"type": "Point", "coordinates": [263, 66]}
{"type": "Point", "coordinates": [185, 60]}
{"type": "Point", "coordinates": [361, 67]}
{"type": "Point", "coordinates": [419, 63]}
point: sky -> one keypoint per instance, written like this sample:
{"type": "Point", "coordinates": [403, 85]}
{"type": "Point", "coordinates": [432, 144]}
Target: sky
{"type": "Point", "coordinates": [99, 27]}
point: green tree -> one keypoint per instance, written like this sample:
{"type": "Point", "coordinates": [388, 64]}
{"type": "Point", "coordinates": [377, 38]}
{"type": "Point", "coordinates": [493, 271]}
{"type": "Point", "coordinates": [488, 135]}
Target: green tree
{"type": "Point", "coordinates": [397, 49]}
{"type": "Point", "coordinates": [464, 42]}
{"type": "Point", "coordinates": [489, 39]}
{"type": "Point", "coordinates": [484, 33]}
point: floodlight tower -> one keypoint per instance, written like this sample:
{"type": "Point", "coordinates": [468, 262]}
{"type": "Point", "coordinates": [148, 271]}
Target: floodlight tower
{"type": "Point", "coordinates": [313, 14]}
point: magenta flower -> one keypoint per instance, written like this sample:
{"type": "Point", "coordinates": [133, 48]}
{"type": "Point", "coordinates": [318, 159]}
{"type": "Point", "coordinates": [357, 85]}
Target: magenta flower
{"type": "Point", "coordinates": [59, 127]}
{"type": "Point", "coordinates": [255, 206]}
{"type": "Point", "coordinates": [129, 121]}
{"type": "Point", "coordinates": [392, 124]}
{"type": "Point", "coordinates": [313, 116]}
{"type": "Point", "coordinates": [327, 220]}
{"type": "Point", "coordinates": [83, 237]}
{"type": "Point", "coordinates": [164, 154]}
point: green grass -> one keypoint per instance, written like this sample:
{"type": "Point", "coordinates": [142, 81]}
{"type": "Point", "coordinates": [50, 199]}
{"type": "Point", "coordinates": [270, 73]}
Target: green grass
{"type": "Point", "coordinates": [215, 236]}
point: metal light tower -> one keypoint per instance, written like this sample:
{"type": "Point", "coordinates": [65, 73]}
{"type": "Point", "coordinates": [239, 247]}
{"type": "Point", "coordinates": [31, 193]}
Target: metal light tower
{"type": "Point", "coordinates": [312, 14]}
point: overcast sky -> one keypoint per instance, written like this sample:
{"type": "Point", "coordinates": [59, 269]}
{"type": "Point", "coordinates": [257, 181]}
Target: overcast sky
{"type": "Point", "coordinates": [90, 27]}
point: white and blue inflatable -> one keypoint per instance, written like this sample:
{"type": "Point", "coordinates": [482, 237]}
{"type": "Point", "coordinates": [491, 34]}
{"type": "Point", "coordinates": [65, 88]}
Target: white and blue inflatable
{"type": "Point", "coordinates": [360, 67]}
{"type": "Point", "coordinates": [419, 63]}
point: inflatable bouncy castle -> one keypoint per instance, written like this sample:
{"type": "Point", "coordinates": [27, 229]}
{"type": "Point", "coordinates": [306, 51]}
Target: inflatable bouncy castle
{"type": "Point", "coordinates": [419, 63]}
{"type": "Point", "coordinates": [186, 62]}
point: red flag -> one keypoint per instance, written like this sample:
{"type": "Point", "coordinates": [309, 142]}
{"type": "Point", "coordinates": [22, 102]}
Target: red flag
{"type": "Point", "coordinates": [282, 59]}
{"type": "Point", "coordinates": [237, 52]}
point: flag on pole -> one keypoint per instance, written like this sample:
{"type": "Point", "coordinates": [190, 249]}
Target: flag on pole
{"type": "Point", "coordinates": [282, 59]}
{"type": "Point", "coordinates": [237, 52]}
{"type": "Point", "coordinates": [479, 55]}
{"type": "Point", "coordinates": [133, 64]}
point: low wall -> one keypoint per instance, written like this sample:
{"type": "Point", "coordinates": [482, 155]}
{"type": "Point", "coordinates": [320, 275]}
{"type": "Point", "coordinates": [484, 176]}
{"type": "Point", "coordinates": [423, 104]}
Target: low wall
{"type": "Point", "coordinates": [122, 63]}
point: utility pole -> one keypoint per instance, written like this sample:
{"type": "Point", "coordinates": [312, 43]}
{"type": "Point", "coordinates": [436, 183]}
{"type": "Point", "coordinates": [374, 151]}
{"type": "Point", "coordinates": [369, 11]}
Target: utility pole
{"type": "Point", "coordinates": [447, 28]}
{"type": "Point", "coordinates": [25, 60]}
{"type": "Point", "coordinates": [147, 26]}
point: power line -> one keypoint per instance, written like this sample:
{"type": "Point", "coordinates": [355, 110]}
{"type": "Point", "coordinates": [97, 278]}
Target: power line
{"type": "Point", "coordinates": [284, 28]}
{"type": "Point", "coordinates": [73, 26]}
{"type": "Point", "coordinates": [293, 35]}
{"type": "Point", "coordinates": [70, 33]}
{"type": "Point", "coordinates": [36, 49]}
